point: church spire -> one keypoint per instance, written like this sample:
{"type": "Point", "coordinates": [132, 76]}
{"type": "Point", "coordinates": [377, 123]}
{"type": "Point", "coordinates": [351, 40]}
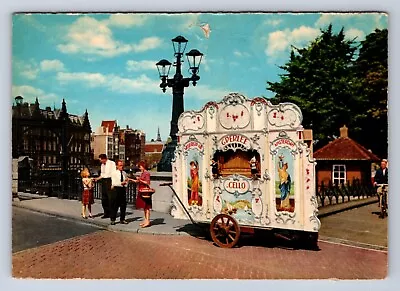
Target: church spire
{"type": "Point", "coordinates": [86, 122]}
{"type": "Point", "coordinates": [36, 110]}
{"type": "Point", "coordinates": [63, 112]}
{"type": "Point", "coordinates": [158, 134]}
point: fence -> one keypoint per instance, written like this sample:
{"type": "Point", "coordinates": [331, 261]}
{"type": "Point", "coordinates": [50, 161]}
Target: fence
{"type": "Point", "coordinates": [51, 184]}
{"type": "Point", "coordinates": [334, 194]}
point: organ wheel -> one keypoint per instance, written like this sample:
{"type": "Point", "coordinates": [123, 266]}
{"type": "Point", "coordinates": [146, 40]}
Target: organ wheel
{"type": "Point", "coordinates": [225, 231]}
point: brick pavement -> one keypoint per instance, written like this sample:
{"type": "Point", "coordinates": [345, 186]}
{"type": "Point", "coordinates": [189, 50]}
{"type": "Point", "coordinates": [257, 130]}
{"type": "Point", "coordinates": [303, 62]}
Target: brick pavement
{"type": "Point", "coordinates": [107, 254]}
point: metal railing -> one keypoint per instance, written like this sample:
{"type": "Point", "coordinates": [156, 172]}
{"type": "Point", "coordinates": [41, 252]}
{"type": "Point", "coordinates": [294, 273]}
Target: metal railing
{"type": "Point", "coordinates": [329, 194]}
{"type": "Point", "coordinates": [52, 185]}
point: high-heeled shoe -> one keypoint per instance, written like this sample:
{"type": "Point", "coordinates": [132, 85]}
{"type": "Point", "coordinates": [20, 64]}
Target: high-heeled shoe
{"type": "Point", "coordinates": [84, 217]}
{"type": "Point", "coordinates": [90, 216]}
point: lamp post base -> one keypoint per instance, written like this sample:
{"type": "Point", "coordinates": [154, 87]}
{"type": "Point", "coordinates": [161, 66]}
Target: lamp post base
{"type": "Point", "coordinates": [166, 159]}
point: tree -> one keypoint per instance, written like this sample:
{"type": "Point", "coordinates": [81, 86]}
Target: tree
{"type": "Point", "coordinates": [321, 80]}
{"type": "Point", "coordinates": [372, 70]}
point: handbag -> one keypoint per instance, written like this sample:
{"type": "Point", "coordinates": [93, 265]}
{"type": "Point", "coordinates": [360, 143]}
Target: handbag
{"type": "Point", "coordinates": [147, 192]}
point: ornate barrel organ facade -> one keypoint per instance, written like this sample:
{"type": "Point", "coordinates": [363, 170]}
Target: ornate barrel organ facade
{"type": "Point", "coordinates": [245, 157]}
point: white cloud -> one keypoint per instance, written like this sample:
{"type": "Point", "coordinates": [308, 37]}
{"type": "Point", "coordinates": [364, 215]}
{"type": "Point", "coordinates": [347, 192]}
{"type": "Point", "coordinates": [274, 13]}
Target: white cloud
{"type": "Point", "coordinates": [146, 44]}
{"type": "Point", "coordinates": [30, 20]}
{"type": "Point", "coordinates": [111, 82]}
{"type": "Point", "coordinates": [26, 90]}
{"type": "Point", "coordinates": [353, 33]}
{"type": "Point", "coordinates": [205, 92]}
{"type": "Point", "coordinates": [28, 70]}
{"type": "Point", "coordinates": [91, 79]}
{"type": "Point", "coordinates": [204, 65]}
{"type": "Point", "coordinates": [240, 54]}
{"type": "Point", "coordinates": [273, 22]}
{"type": "Point", "coordinates": [90, 36]}
{"type": "Point", "coordinates": [142, 83]}
{"type": "Point", "coordinates": [132, 65]}
{"type": "Point", "coordinates": [364, 22]}
{"type": "Point", "coordinates": [126, 20]}
{"type": "Point", "coordinates": [129, 85]}
{"type": "Point", "coordinates": [51, 65]}
{"type": "Point", "coordinates": [280, 41]}
{"type": "Point", "coordinates": [29, 93]}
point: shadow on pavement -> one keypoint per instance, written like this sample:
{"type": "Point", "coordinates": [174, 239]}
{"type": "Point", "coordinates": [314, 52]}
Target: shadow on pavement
{"type": "Point", "coordinates": [278, 239]}
{"type": "Point", "coordinates": [133, 219]}
{"type": "Point", "coordinates": [157, 221]}
{"type": "Point", "coordinates": [260, 238]}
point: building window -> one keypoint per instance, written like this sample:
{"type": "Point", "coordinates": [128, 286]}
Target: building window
{"type": "Point", "coordinates": [339, 174]}
{"type": "Point", "coordinates": [26, 144]}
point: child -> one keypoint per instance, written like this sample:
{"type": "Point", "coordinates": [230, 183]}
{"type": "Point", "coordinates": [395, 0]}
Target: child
{"type": "Point", "coordinates": [87, 194]}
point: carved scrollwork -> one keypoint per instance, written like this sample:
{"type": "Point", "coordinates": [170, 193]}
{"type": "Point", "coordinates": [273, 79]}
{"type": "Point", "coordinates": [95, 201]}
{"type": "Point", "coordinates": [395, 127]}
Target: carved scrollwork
{"type": "Point", "coordinates": [234, 98]}
{"type": "Point", "coordinates": [314, 217]}
{"type": "Point", "coordinates": [208, 212]}
{"type": "Point", "coordinates": [285, 114]}
{"type": "Point", "coordinates": [234, 116]}
{"type": "Point", "coordinates": [255, 138]}
{"type": "Point", "coordinates": [207, 175]}
{"type": "Point", "coordinates": [174, 209]}
{"type": "Point", "coordinates": [190, 120]}
{"type": "Point", "coordinates": [215, 143]}
{"type": "Point", "coordinates": [283, 140]}
{"type": "Point", "coordinates": [285, 217]}
{"type": "Point", "coordinates": [195, 209]}
{"type": "Point", "coordinates": [266, 176]}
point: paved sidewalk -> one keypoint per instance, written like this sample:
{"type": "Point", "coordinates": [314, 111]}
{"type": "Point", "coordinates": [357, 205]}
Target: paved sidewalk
{"type": "Point", "coordinates": [162, 223]}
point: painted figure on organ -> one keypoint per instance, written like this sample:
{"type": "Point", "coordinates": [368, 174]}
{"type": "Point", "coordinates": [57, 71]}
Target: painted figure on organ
{"type": "Point", "coordinates": [194, 175]}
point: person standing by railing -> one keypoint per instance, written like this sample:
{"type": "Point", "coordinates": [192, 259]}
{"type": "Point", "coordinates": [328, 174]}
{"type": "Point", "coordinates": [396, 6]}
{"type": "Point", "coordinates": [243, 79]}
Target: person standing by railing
{"type": "Point", "coordinates": [142, 202]}
{"type": "Point", "coordinates": [119, 181]}
{"type": "Point", "coordinates": [87, 193]}
{"type": "Point", "coordinates": [107, 168]}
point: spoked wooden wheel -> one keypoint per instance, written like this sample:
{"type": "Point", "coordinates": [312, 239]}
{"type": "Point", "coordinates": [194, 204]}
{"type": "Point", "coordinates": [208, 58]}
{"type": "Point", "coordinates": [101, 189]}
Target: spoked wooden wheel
{"type": "Point", "coordinates": [225, 231]}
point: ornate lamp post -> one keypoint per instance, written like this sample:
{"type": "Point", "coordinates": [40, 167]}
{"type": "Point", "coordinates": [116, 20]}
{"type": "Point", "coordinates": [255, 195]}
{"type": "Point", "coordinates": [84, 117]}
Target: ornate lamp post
{"type": "Point", "coordinates": [178, 84]}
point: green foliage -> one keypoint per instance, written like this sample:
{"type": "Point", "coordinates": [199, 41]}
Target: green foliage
{"type": "Point", "coordinates": [333, 87]}
{"type": "Point", "coordinates": [372, 70]}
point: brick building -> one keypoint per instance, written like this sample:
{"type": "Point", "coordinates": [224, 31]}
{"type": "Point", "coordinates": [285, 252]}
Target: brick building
{"type": "Point", "coordinates": [153, 151]}
{"type": "Point", "coordinates": [133, 141]}
{"type": "Point", "coordinates": [105, 139]}
{"type": "Point", "coordinates": [343, 160]}
{"type": "Point", "coordinates": [126, 144]}
{"type": "Point", "coordinates": [50, 138]}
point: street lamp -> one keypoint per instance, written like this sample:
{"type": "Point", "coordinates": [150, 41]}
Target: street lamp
{"type": "Point", "coordinates": [178, 84]}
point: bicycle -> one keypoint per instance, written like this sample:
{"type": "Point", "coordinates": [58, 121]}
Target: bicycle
{"type": "Point", "coordinates": [382, 191]}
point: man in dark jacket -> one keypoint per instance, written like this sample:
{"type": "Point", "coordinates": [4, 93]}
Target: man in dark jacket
{"type": "Point", "coordinates": [381, 177]}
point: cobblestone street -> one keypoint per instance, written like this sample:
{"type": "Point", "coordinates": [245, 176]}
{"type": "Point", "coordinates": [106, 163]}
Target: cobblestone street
{"type": "Point", "coordinates": [106, 254]}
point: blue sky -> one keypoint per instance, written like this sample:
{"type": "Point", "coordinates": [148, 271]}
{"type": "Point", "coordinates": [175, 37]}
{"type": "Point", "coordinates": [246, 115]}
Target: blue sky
{"type": "Point", "coordinates": [106, 62]}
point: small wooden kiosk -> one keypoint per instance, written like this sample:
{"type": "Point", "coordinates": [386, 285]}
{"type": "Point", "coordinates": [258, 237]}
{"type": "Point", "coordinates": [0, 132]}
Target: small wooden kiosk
{"type": "Point", "coordinates": [243, 162]}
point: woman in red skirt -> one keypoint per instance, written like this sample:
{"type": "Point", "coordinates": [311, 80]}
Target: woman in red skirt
{"type": "Point", "coordinates": [87, 194]}
{"type": "Point", "coordinates": [143, 182]}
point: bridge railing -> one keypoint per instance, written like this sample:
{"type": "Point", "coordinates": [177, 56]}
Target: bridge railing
{"type": "Point", "coordinates": [51, 184]}
{"type": "Point", "coordinates": [329, 193]}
